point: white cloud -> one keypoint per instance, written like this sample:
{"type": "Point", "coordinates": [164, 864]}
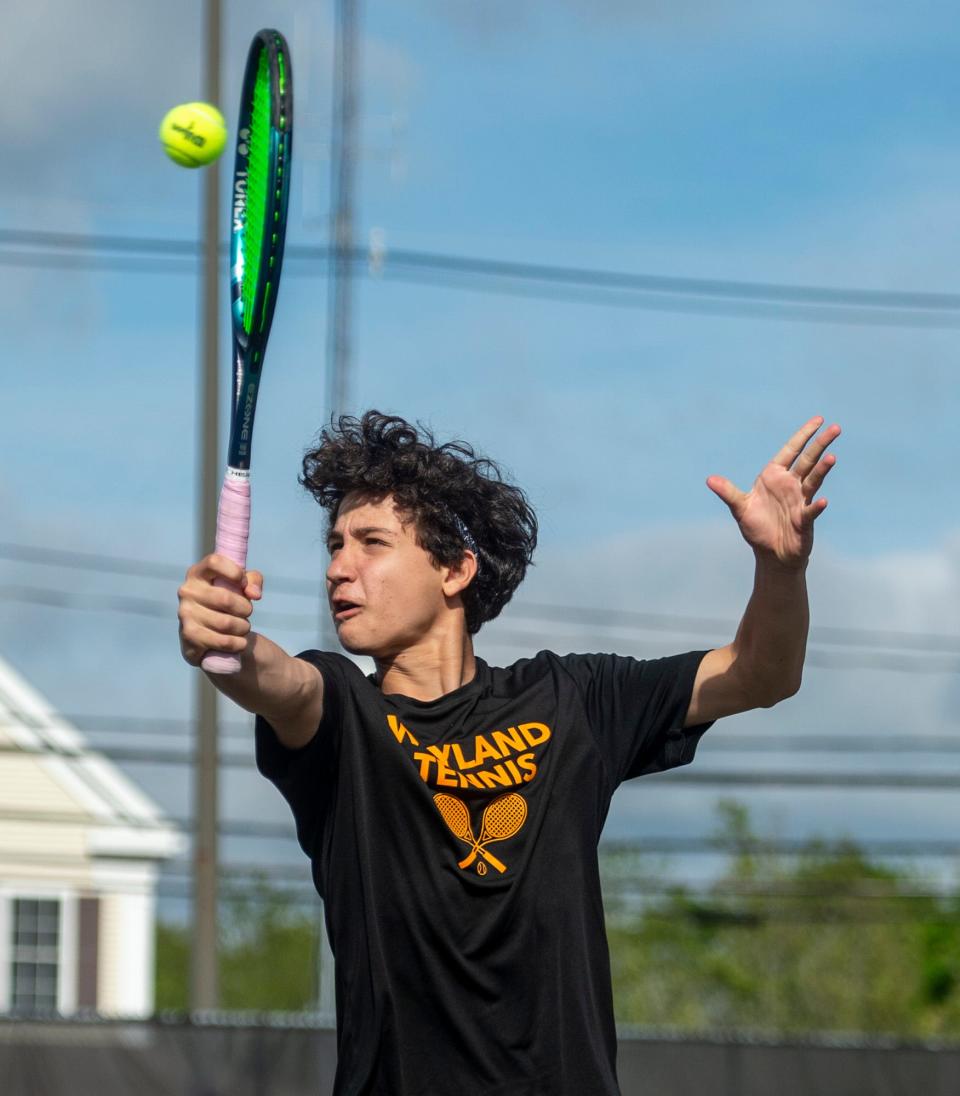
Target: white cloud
{"type": "Point", "coordinates": [83, 87]}
{"type": "Point", "coordinates": [63, 61]}
{"type": "Point", "coordinates": [705, 571]}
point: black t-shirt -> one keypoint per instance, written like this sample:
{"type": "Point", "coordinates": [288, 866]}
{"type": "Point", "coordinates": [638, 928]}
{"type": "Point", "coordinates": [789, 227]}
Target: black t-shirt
{"type": "Point", "coordinates": [454, 843]}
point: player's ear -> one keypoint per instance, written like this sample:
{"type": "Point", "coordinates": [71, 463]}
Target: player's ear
{"type": "Point", "coordinates": [459, 575]}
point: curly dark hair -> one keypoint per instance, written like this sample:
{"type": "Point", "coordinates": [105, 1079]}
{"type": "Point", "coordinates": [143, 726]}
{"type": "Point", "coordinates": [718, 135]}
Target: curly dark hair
{"type": "Point", "coordinates": [432, 486]}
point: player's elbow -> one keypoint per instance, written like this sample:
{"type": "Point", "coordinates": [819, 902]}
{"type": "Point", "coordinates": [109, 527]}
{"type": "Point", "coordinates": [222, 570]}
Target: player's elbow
{"type": "Point", "coordinates": [777, 689]}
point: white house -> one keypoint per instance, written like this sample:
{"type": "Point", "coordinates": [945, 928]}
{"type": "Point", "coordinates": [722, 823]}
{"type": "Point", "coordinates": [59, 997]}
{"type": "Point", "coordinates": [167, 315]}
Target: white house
{"type": "Point", "coordinates": [80, 847]}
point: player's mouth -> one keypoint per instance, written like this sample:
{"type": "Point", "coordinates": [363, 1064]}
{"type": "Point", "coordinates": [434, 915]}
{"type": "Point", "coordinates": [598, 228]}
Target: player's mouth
{"type": "Point", "coordinates": [344, 610]}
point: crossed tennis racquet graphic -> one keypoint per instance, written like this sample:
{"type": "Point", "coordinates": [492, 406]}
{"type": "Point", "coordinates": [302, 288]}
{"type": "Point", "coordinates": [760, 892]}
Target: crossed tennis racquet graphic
{"type": "Point", "coordinates": [502, 818]}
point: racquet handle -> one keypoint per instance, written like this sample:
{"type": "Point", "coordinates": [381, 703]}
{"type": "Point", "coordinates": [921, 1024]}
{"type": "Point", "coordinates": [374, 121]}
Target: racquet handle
{"type": "Point", "coordinates": [233, 531]}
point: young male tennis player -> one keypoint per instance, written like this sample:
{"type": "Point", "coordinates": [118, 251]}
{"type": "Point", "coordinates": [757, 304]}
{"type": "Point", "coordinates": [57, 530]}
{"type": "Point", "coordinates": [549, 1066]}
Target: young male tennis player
{"type": "Point", "coordinates": [451, 810]}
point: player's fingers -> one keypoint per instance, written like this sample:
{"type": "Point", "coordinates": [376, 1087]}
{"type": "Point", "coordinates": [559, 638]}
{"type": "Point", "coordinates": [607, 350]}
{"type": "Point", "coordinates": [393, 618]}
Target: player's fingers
{"type": "Point", "coordinates": [794, 447]}
{"type": "Point", "coordinates": [203, 630]}
{"type": "Point", "coordinates": [811, 455]}
{"type": "Point", "coordinates": [724, 489]}
{"type": "Point", "coordinates": [228, 624]}
{"type": "Point", "coordinates": [197, 642]}
{"type": "Point", "coordinates": [814, 510]}
{"type": "Point", "coordinates": [216, 566]}
{"type": "Point", "coordinates": [814, 479]}
{"type": "Point", "coordinates": [220, 599]}
{"type": "Point", "coordinates": [253, 585]}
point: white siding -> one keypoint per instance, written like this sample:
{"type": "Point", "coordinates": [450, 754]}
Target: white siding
{"type": "Point", "coordinates": [45, 846]}
{"type": "Point", "coordinates": [72, 823]}
{"type": "Point", "coordinates": [126, 955]}
{"type": "Point", "coordinates": [25, 785]}
{"type": "Point", "coordinates": [67, 989]}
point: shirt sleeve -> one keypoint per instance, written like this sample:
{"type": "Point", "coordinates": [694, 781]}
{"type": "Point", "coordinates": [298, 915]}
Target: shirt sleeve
{"type": "Point", "coordinates": [305, 776]}
{"type": "Point", "coordinates": [636, 710]}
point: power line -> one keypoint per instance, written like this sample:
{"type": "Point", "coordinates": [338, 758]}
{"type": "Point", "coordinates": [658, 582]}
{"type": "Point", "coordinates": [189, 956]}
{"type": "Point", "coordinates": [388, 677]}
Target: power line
{"type": "Point", "coordinates": [124, 603]}
{"type": "Point", "coordinates": [723, 744]}
{"type": "Point", "coordinates": [866, 782]}
{"type": "Point", "coordinates": [723, 917]}
{"type": "Point", "coordinates": [121, 603]}
{"type": "Point", "coordinates": [658, 283]}
{"type": "Point", "coordinates": [686, 298]}
{"type": "Point", "coordinates": [161, 725]}
{"type": "Point", "coordinates": [612, 851]}
{"type": "Point", "coordinates": [795, 890]}
{"type": "Point", "coordinates": [866, 888]}
{"type": "Point", "coordinates": [826, 634]}
{"type": "Point", "coordinates": [846, 892]}
{"type": "Point", "coordinates": [615, 855]}
{"type": "Point", "coordinates": [98, 241]}
{"type": "Point", "coordinates": [820, 659]}
{"type": "Point", "coordinates": [129, 754]}
{"type": "Point", "coordinates": [704, 912]}
{"type": "Point", "coordinates": [854, 888]}
{"type": "Point", "coordinates": [112, 264]}
{"type": "Point", "coordinates": [851, 781]}
{"type": "Point", "coordinates": [836, 743]}
{"type": "Point", "coordinates": [126, 565]}
{"type": "Point", "coordinates": [605, 618]}
{"type": "Point", "coordinates": [652, 291]}
{"type": "Point", "coordinates": [227, 828]}
{"type": "Point", "coordinates": [727, 742]}
{"type": "Point", "coordinates": [607, 279]}
{"type": "Point", "coordinates": [618, 850]}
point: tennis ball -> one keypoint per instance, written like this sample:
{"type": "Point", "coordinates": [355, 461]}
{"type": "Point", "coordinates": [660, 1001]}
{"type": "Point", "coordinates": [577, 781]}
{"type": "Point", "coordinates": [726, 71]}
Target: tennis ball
{"type": "Point", "coordinates": [193, 134]}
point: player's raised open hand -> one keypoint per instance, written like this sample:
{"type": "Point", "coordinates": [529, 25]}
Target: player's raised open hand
{"type": "Point", "coordinates": [776, 515]}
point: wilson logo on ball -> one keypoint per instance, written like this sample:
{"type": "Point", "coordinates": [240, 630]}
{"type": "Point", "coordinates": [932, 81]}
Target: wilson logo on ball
{"type": "Point", "coordinates": [186, 132]}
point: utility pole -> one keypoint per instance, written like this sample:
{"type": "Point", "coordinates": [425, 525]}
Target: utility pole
{"type": "Point", "coordinates": [343, 148]}
{"type": "Point", "coordinates": [343, 160]}
{"type": "Point", "coordinates": [203, 970]}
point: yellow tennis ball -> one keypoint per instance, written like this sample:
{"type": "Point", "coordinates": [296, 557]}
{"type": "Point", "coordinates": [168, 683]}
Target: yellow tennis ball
{"type": "Point", "coordinates": [193, 134]}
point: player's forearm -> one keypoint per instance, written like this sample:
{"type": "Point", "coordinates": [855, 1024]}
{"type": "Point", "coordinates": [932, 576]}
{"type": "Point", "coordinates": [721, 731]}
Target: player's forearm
{"type": "Point", "coordinates": [771, 641]}
{"type": "Point", "coordinates": [286, 691]}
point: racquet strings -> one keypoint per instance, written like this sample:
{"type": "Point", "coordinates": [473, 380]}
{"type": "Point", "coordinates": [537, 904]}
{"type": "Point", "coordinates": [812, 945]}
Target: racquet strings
{"type": "Point", "coordinates": [258, 189]}
{"type": "Point", "coordinates": [503, 818]}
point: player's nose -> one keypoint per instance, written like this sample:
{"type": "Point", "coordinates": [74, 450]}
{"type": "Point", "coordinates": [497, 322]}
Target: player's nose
{"type": "Point", "coordinates": [340, 569]}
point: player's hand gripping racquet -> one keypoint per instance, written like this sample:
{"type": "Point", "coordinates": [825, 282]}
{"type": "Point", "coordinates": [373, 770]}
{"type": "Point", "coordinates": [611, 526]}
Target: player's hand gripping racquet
{"type": "Point", "coordinates": [261, 185]}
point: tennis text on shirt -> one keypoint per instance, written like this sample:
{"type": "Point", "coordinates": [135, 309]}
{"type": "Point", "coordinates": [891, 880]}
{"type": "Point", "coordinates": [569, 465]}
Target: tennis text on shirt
{"type": "Point", "coordinates": [497, 759]}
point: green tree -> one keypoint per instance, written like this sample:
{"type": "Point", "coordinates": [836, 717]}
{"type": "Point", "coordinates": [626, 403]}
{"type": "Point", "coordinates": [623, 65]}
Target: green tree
{"type": "Point", "coordinates": [267, 954]}
{"type": "Point", "coordinates": [827, 940]}
{"type": "Point", "coordinates": [172, 961]}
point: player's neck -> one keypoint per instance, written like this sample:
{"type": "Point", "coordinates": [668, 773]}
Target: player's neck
{"type": "Point", "coordinates": [430, 670]}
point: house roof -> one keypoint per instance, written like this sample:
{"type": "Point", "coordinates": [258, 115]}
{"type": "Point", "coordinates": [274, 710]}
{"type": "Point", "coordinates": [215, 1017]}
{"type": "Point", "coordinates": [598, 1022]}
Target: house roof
{"type": "Point", "coordinates": [121, 820]}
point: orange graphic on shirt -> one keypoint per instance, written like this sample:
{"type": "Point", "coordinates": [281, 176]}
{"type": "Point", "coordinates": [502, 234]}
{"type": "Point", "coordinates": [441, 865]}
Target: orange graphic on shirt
{"type": "Point", "coordinates": [502, 818]}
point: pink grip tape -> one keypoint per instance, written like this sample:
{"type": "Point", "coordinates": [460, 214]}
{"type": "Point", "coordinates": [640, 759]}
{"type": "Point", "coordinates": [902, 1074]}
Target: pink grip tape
{"type": "Point", "coordinates": [233, 531]}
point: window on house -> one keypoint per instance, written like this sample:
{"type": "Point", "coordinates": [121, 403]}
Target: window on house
{"type": "Point", "coordinates": [35, 954]}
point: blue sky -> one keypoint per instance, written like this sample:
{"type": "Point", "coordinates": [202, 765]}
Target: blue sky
{"type": "Point", "coordinates": [814, 147]}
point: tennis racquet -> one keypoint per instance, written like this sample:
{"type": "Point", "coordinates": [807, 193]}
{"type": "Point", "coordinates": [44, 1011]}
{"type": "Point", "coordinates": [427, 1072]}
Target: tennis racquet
{"type": "Point", "coordinates": [261, 186]}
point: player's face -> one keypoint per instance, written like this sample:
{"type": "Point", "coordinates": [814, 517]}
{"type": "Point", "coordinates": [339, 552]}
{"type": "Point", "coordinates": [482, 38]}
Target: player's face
{"type": "Point", "coordinates": [385, 592]}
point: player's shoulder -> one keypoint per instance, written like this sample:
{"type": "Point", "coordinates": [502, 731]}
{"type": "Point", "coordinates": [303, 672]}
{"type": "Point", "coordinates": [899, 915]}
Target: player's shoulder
{"type": "Point", "coordinates": [543, 664]}
{"type": "Point", "coordinates": [337, 670]}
